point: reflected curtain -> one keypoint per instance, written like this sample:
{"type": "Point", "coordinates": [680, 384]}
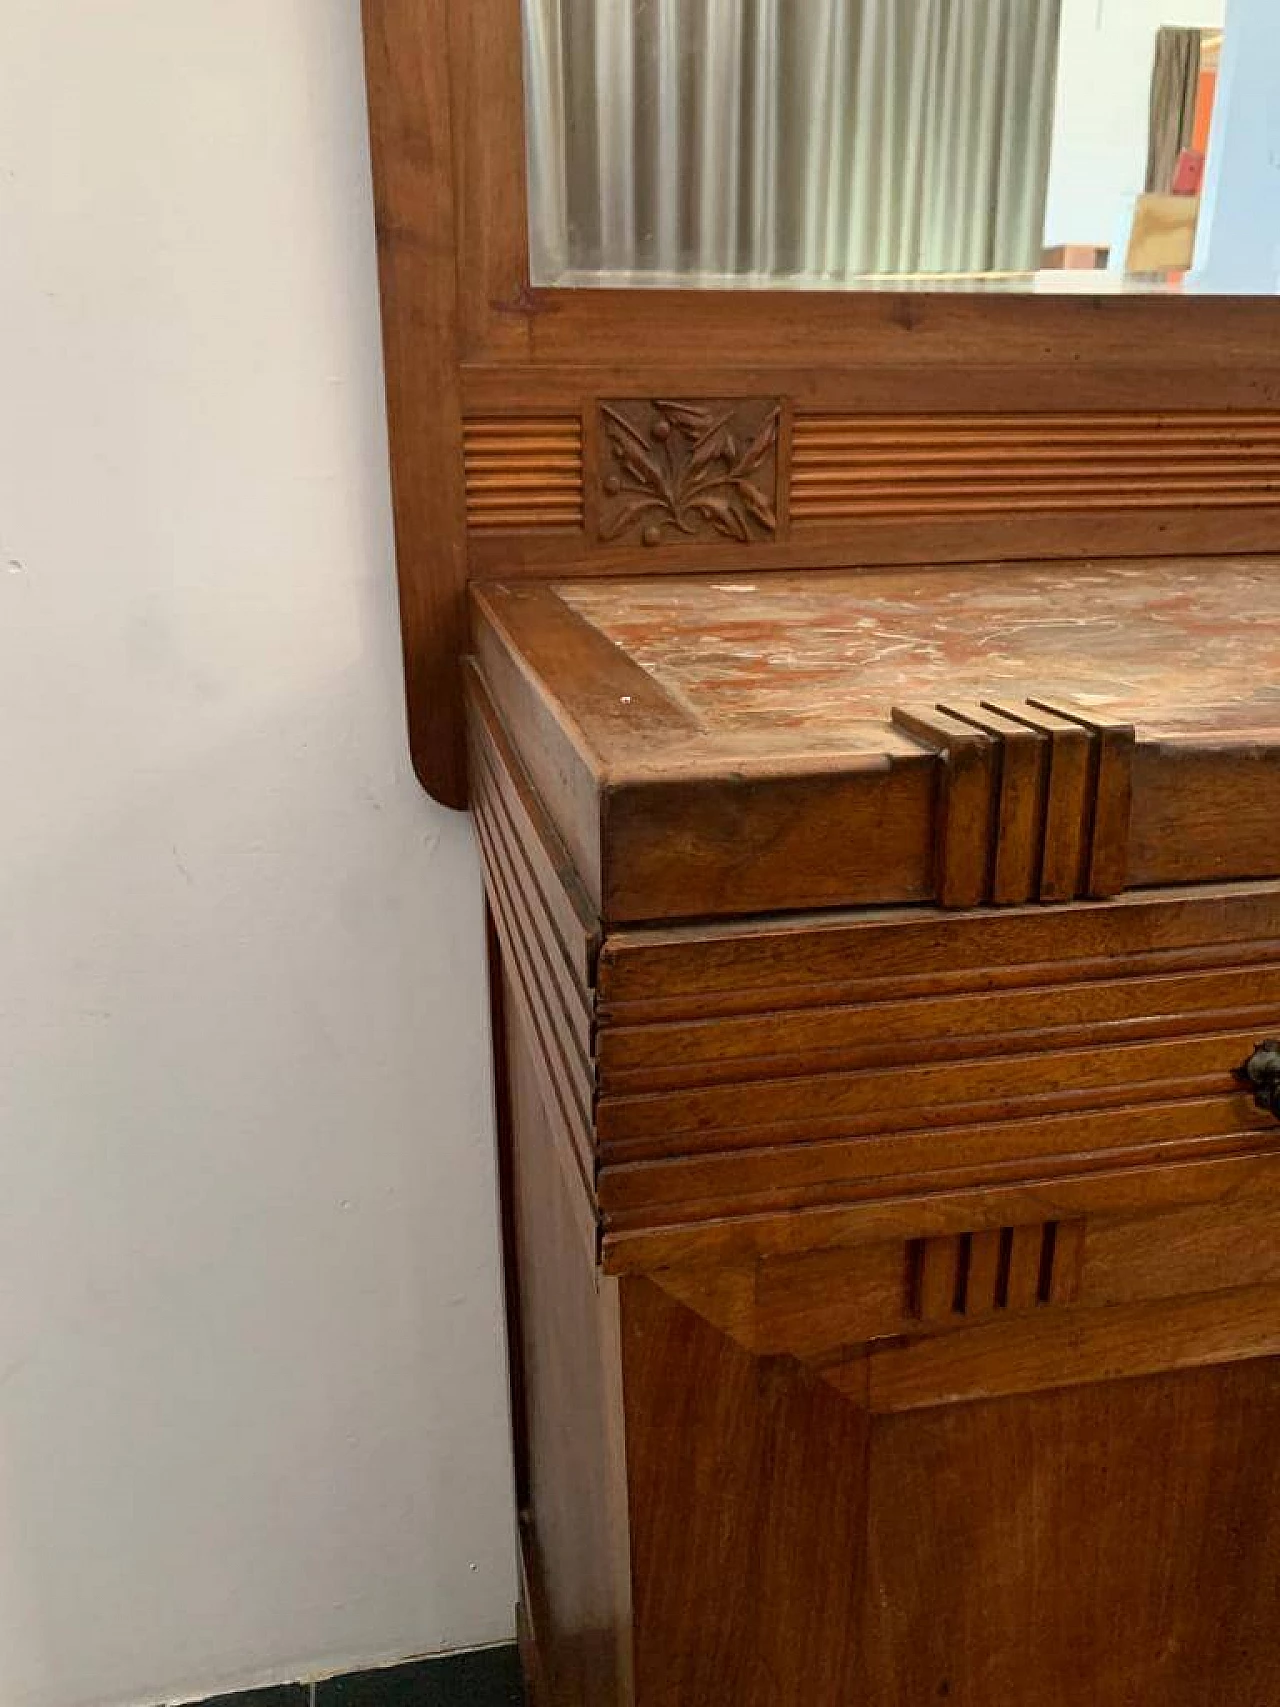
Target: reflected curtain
{"type": "Point", "coordinates": [789, 137]}
{"type": "Point", "coordinates": [1175, 84]}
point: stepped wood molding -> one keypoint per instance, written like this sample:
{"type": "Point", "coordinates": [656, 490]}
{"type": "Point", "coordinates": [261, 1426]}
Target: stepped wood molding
{"type": "Point", "coordinates": [1036, 801]}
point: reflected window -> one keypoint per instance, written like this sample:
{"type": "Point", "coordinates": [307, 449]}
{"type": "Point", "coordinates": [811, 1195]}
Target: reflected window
{"type": "Point", "coordinates": [1016, 144]}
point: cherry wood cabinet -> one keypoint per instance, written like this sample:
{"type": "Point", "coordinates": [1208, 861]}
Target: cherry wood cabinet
{"type": "Point", "coordinates": [896, 1235]}
{"type": "Point", "coordinates": [870, 713]}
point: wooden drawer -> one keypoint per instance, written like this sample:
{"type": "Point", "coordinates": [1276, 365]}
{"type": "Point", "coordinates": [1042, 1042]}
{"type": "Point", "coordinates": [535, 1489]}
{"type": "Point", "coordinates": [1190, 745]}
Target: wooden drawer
{"type": "Point", "coordinates": [924, 1071]}
{"type": "Point", "coordinates": [967, 1156]}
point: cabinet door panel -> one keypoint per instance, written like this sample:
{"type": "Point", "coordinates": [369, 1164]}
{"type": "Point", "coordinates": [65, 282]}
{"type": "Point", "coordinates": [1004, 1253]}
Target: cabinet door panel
{"type": "Point", "coordinates": [1107, 1546]}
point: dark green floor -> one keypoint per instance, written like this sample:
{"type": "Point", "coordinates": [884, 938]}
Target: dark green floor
{"type": "Point", "coordinates": [489, 1678]}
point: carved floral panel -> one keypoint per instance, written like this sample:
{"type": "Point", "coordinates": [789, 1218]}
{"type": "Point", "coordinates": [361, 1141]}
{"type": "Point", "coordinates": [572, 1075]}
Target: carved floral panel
{"type": "Point", "coordinates": [677, 469]}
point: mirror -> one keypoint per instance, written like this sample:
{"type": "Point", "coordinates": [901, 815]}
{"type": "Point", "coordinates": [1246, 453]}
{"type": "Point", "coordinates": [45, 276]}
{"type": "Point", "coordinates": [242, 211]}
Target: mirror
{"type": "Point", "coordinates": [1015, 145]}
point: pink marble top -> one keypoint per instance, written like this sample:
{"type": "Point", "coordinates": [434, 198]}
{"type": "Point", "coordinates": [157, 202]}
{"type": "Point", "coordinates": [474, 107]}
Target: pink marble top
{"type": "Point", "coordinates": [1176, 646]}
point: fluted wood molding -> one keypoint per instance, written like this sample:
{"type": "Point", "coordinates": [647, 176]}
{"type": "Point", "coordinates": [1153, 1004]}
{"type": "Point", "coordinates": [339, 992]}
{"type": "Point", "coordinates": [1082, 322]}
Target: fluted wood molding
{"type": "Point", "coordinates": [847, 467]}
{"type": "Point", "coordinates": [523, 473]}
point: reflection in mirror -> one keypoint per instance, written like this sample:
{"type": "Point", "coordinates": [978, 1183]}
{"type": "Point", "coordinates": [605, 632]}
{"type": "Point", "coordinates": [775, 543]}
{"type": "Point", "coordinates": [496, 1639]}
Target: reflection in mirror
{"type": "Point", "coordinates": [950, 144]}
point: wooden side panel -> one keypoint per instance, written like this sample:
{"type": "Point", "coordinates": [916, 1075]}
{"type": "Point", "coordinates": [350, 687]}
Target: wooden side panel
{"type": "Point", "coordinates": [505, 793]}
{"type": "Point", "coordinates": [748, 1484]}
{"type": "Point", "coordinates": [1112, 1546]}
{"type": "Point", "coordinates": [572, 1478]}
{"type": "Point", "coordinates": [410, 113]}
{"type": "Point", "coordinates": [564, 1071]}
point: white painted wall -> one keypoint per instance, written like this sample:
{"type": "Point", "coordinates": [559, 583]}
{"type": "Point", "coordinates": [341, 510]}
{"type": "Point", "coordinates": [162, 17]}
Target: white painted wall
{"type": "Point", "coordinates": [252, 1411]}
{"type": "Point", "coordinates": [1101, 114]}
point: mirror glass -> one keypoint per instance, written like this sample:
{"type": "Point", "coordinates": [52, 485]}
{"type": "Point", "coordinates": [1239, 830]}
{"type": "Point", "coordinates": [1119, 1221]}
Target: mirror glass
{"type": "Point", "coordinates": [1017, 145]}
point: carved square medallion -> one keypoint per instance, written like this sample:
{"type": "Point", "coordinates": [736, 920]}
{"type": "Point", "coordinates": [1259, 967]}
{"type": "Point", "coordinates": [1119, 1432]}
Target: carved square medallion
{"type": "Point", "coordinates": [673, 470]}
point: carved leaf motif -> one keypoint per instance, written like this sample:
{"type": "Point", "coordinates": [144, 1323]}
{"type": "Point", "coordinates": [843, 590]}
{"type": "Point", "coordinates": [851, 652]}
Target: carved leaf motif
{"type": "Point", "coordinates": [758, 449]}
{"type": "Point", "coordinates": [691, 420]}
{"type": "Point", "coordinates": [618, 423]}
{"type": "Point", "coordinates": [628, 515]}
{"type": "Point", "coordinates": [758, 506]}
{"type": "Point", "coordinates": [689, 467]}
{"type": "Point", "coordinates": [709, 448]}
{"type": "Point", "coordinates": [635, 458]}
{"type": "Point", "coordinates": [724, 517]}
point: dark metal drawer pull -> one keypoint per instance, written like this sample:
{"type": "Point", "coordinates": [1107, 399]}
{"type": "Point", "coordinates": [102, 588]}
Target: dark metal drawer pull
{"type": "Point", "coordinates": [1261, 1072]}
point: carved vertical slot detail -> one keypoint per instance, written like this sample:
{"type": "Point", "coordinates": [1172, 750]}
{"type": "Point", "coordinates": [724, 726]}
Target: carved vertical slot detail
{"type": "Point", "coordinates": [1035, 800]}
{"type": "Point", "coordinates": [966, 1276]}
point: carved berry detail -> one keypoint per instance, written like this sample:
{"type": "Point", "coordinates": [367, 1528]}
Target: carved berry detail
{"type": "Point", "coordinates": [714, 471]}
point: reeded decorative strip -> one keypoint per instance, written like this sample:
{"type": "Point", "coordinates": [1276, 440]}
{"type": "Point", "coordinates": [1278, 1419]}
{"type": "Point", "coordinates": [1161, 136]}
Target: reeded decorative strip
{"type": "Point", "coordinates": [523, 473]}
{"type": "Point", "coordinates": [849, 467]}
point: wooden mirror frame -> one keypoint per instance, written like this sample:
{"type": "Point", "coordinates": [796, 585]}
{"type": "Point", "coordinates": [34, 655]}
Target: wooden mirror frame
{"type": "Point", "coordinates": [1156, 418]}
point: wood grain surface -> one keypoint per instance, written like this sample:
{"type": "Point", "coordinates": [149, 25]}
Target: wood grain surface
{"type": "Point", "coordinates": [814, 1209]}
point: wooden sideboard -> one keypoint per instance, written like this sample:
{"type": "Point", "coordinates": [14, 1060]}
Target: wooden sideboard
{"type": "Point", "coordinates": [895, 1239]}
{"type": "Point", "coordinates": [870, 712]}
